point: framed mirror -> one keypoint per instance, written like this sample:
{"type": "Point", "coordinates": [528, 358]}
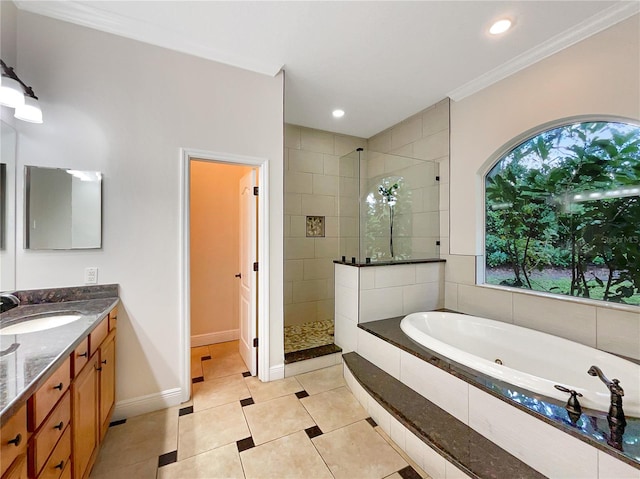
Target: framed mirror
{"type": "Point", "coordinates": [63, 208]}
{"type": "Point", "coordinates": [7, 207]}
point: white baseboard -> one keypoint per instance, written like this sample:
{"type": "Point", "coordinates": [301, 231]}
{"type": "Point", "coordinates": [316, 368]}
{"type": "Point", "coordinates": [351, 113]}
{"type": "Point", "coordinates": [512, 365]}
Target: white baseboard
{"type": "Point", "coordinates": [276, 372]}
{"type": "Point", "coordinates": [214, 338]}
{"type": "Point", "coordinates": [144, 404]}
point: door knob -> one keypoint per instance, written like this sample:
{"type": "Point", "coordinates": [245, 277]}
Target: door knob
{"type": "Point", "coordinates": [239, 275]}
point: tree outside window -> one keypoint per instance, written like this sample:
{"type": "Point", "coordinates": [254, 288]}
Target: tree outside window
{"type": "Point", "coordinates": [563, 213]}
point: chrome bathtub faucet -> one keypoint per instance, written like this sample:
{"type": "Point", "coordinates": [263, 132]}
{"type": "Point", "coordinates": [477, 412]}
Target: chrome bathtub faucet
{"type": "Point", "coordinates": [8, 301]}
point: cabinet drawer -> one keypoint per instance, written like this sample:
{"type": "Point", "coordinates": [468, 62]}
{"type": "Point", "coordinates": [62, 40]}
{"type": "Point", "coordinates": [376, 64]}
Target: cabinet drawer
{"type": "Point", "coordinates": [42, 402]}
{"type": "Point", "coordinates": [66, 474]}
{"type": "Point", "coordinates": [18, 469]}
{"type": "Point", "coordinates": [80, 357]}
{"type": "Point", "coordinates": [50, 432]}
{"type": "Point", "coordinates": [97, 335]}
{"type": "Point", "coordinates": [14, 438]}
{"type": "Point", "coordinates": [59, 458]}
{"type": "Point", "coordinates": [113, 319]}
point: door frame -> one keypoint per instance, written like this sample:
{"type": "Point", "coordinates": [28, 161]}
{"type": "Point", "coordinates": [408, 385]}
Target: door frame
{"type": "Point", "coordinates": [262, 307]}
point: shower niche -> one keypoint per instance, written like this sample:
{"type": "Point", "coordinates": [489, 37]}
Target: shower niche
{"type": "Point", "coordinates": [388, 208]}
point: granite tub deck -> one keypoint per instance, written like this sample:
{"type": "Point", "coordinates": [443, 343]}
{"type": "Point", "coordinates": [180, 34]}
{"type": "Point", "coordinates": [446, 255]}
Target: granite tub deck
{"type": "Point", "coordinates": [469, 451]}
{"type": "Point", "coordinates": [25, 367]}
{"type": "Point", "coordinates": [592, 428]}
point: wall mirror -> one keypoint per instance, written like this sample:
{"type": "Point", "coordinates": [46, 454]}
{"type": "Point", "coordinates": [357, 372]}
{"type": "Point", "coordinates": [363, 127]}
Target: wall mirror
{"type": "Point", "coordinates": [63, 208]}
{"type": "Point", "coordinates": [7, 207]}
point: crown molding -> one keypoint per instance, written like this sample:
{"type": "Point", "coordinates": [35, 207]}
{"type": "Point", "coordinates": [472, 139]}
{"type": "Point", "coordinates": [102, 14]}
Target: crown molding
{"type": "Point", "coordinates": [585, 29]}
{"type": "Point", "coordinates": [92, 17]}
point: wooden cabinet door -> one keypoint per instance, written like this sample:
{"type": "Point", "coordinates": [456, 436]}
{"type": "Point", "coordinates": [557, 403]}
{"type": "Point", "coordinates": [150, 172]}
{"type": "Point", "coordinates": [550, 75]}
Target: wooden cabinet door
{"type": "Point", "coordinates": [18, 469]}
{"type": "Point", "coordinates": [85, 417]}
{"type": "Point", "coordinates": [107, 382]}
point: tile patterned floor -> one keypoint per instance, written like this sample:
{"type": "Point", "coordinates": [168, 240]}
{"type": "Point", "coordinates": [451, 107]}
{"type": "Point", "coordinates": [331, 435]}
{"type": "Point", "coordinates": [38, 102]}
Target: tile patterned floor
{"type": "Point", "coordinates": [298, 337]}
{"type": "Point", "coordinates": [307, 426]}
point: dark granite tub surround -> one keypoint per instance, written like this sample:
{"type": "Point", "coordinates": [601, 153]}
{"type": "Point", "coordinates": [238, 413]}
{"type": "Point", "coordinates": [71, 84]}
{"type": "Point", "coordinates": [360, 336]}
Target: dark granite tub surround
{"type": "Point", "coordinates": [455, 441]}
{"type": "Point", "coordinates": [27, 360]}
{"type": "Point", "coordinates": [359, 264]}
{"type": "Point", "coordinates": [592, 427]}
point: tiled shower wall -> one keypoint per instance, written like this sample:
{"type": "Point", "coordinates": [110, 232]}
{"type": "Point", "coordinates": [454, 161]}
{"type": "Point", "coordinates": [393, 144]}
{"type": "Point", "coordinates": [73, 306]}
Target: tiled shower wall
{"type": "Point", "coordinates": [424, 136]}
{"type": "Point", "coordinates": [311, 189]}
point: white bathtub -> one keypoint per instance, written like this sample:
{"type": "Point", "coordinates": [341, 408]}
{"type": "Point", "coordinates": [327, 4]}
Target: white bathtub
{"type": "Point", "coordinates": [530, 359]}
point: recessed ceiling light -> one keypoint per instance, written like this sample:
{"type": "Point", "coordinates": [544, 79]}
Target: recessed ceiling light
{"type": "Point", "coordinates": [338, 113]}
{"type": "Point", "coordinates": [500, 26]}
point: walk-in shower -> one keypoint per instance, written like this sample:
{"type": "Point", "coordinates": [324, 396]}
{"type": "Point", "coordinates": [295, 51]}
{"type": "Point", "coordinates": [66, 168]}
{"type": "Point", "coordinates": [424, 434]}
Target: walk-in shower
{"type": "Point", "coordinates": [388, 208]}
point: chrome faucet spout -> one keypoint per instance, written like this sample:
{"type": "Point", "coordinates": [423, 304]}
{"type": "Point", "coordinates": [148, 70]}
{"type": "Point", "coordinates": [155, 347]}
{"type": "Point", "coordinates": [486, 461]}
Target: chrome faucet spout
{"type": "Point", "coordinates": [8, 301]}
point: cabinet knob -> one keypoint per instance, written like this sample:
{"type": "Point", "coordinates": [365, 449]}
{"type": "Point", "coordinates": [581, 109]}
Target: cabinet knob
{"type": "Point", "coordinates": [83, 355]}
{"type": "Point", "coordinates": [104, 361]}
{"type": "Point", "coordinates": [16, 440]}
{"type": "Point", "coordinates": [60, 465]}
{"type": "Point", "coordinates": [59, 426]}
{"type": "Point", "coordinates": [99, 368]}
{"type": "Point", "coordinates": [58, 387]}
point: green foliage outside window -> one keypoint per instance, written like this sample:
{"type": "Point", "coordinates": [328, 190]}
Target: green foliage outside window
{"type": "Point", "coordinates": [563, 213]}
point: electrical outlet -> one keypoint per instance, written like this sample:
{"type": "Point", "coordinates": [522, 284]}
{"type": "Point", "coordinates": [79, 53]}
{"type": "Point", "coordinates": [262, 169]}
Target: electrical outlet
{"type": "Point", "coordinates": [91, 275]}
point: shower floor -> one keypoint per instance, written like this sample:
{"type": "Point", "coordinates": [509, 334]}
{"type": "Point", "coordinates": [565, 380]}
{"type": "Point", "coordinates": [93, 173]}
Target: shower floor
{"type": "Point", "coordinates": [308, 335]}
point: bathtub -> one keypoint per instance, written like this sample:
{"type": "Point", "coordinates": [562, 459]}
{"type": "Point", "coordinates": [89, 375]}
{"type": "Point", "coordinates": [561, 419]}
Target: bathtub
{"type": "Point", "coordinates": [530, 359]}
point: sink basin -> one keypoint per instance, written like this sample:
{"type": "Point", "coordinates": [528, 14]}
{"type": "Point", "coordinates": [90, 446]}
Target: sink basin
{"type": "Point", "coordinates": [40, 322]}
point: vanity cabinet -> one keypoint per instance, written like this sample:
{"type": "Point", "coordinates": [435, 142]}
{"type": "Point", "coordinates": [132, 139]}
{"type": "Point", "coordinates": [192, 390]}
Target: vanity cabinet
{"type": "Point", "coordinates": [14, 438]}
{"type": "Point", "coordinates": [56, 434]}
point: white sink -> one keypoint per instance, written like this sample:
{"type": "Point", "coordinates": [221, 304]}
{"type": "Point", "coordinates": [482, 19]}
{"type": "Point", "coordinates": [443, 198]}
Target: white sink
{"type": "Point", "coordinates": [40, 323]}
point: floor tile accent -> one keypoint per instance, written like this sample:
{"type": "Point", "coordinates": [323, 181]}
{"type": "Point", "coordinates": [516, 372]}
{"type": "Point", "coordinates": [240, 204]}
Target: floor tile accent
{"type": "Point", "coordinates": [302, 394]}
{"type": "Point", "coordinates": [221, 462]}
{"type": "Point", "coordinates": [322, 380]}
{"type": "Point", "coordinates": [409, 473]}
{"type": "Point", "coordinates": [246, 374]}
{"type": "Point", "coordinates": [333, 409]}
{"type": "Point", "coordinates": [199, 379]}
{"type": "Point", "coordinates": [219, 391]}
{"type": "Point", "coordinates": [167, 458]}
{"type": "Point", "coordinates": [313, 431]}
{"type": "Point", "coordinates": [358, 451]}
{"type": "Point", "coordinates": [205, 358]}
{"type": "Point", "coordinates": [276, 418]}
{"type": "Point", "coordinates": [146, 469]}
{"type": "Point", "coordinates": [290, 457]}
{"type": "Point", "coordinates": [372, 422]}
{"type": "Point", "coordinates": [225, 365]}
{"type": "Point", "coordinates": [142, 438]}
{"type": "Point", "coordinates": [211, 428]}
{"type": "Point", "coordinates": [246, 402]}
{"type": "Point", "coordinates": [244, 444]}
{"type": "Point", "coordinates": [261, 392]}
{"type": "Point", "coordinates": [117, 423]}
{"type": "Point", "coordinates": [185, 410]}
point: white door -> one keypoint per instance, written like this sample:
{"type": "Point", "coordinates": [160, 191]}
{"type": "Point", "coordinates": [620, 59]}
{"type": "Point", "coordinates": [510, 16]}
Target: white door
{"type": "Point", "coordinates": [248, 288]}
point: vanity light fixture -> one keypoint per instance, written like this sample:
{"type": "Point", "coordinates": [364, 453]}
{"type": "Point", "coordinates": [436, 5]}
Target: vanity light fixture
{"type": "Point", "coordinates": [500, 26]}
{"type": "Point", "coordinates": [338, 113]}
{"type": "Point", "coordinates": [16, 94]}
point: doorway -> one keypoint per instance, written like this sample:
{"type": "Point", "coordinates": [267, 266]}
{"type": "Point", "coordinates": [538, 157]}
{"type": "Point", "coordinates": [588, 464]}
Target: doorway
{"type": "Point", "coordinates": [223, 294]}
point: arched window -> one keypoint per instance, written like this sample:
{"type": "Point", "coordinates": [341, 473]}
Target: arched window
{"type": "Point", "coordinates": [563, 213]}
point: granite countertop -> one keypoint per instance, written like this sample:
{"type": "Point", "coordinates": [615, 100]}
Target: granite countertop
{"type": "Point", "coordinates": [26, 367]}
{"type": "Point", "coordinates": [592, 427]}
{"type": "Point", "coordinates": [359, 264]}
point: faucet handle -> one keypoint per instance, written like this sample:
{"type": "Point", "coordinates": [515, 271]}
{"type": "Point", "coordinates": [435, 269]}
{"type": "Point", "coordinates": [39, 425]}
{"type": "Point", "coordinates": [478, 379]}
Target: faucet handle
{"type": "Point", "coordinates": [567, 390]}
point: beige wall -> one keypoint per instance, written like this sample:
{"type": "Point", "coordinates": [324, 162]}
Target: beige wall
{"type": "Point", "coordinates": [598, 76]}
{"type": "Point", "coordinates": [215, 250]}
{"type": "Point", "coordinates": [311, 189]}
{"type": "Point", "coordinates": [126, 109]}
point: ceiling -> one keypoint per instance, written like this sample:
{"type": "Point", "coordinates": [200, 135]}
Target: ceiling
{"type": "Point", "coordinates": [379, 61]}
